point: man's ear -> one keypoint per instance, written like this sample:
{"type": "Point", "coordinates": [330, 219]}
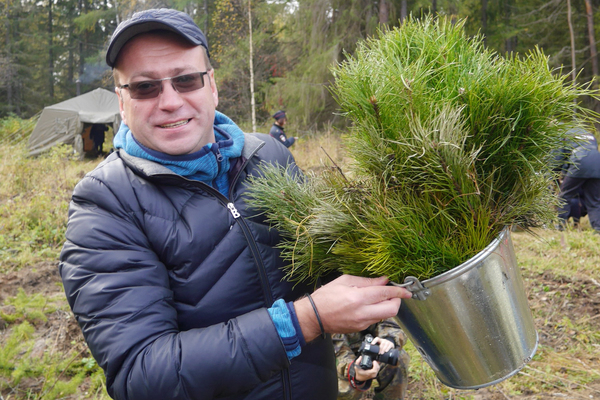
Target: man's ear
{"type": "Point", "coordinates": [213, 86]}
{"type": "Point", "coordinates": [121, 111]}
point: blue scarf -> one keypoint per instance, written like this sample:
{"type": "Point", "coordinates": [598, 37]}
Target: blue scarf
{"type": "Point", "coordinates": [210, 164]}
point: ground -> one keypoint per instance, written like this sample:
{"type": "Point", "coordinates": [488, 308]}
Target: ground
{"type": "Point", "coordinates": [551, 299]}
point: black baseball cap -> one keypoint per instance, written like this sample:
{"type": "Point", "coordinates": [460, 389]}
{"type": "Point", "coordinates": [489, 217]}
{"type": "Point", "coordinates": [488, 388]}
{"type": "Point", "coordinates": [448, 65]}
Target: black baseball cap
{"type": "Point", "coordinates": [279, 114]}
{"type": "Point", "coordinates": [149, 20]}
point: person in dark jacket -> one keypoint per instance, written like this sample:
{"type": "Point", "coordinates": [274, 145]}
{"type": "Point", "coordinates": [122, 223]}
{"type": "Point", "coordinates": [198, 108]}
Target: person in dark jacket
{"type": "Point", "coordinates": [277, 130]}
{"type": "Point", "coordinates": [175, 281]}
{"type": "Point", "coordinates": [97, 134]}
{"type": "Point", "coordinates": [581, 182]}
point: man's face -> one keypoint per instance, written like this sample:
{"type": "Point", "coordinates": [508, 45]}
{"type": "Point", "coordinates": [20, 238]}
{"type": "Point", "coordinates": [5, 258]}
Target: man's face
{"type": "Point", "coordinates": [172, 123]}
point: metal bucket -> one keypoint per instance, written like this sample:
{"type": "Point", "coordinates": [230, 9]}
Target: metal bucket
{"type": "Point", "coordinates": [472, 324]}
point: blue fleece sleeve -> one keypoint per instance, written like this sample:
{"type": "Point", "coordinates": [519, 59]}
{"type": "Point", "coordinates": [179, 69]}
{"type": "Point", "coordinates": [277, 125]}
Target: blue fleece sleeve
{"type": "Point", "coordinates": [286, 327]}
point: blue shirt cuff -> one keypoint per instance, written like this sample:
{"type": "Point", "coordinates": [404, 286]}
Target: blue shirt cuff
{"type": "Point", "coordinates": [292, 311]}
{"type": "Point", "coordinates": [283, 321]}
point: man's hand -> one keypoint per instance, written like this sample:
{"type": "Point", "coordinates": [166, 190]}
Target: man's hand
{"type": "Point", "coordinates": [349, 304]}
{"type": "Point", "coordinates": [365, 374]}
{"type": "Point", "coordinates": [384, 344]}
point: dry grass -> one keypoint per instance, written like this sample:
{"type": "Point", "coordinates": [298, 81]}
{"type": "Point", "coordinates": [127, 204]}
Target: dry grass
{"type": "Point", "coordinates": [314, 153]}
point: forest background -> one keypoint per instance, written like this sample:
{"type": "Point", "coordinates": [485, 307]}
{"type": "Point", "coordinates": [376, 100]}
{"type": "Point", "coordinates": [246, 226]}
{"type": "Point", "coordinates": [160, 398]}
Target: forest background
{"type": "Point", "coordinates": [51, 50]}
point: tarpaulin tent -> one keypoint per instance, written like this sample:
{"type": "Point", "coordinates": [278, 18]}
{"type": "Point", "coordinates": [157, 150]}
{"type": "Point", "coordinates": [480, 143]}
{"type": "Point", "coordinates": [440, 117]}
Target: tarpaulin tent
{"type": "Point", "coordinates": [64, 122]}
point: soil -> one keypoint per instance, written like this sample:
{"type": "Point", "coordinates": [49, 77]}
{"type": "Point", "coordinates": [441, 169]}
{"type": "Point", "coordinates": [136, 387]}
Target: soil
{"type": "Point", "coordinates": [551, 298]}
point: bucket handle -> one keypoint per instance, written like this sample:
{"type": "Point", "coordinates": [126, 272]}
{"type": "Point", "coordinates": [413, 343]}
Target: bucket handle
{"type": "Point", "coordinates": [414, 286]}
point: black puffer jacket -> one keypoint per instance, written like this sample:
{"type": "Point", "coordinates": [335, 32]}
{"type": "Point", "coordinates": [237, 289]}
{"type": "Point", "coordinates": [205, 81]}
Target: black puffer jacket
{"type": "Point", "coordinates": [170, 283]}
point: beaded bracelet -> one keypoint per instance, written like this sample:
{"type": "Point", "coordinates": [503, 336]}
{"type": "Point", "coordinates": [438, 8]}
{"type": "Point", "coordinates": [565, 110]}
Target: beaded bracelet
{"type": "Point", "coordinates": [312, 303]}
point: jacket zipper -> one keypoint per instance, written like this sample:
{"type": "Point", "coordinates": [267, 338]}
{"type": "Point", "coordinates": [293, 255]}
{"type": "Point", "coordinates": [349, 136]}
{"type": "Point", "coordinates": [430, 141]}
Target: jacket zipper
{"type": "Point", "coordinates": [286, 380]}
{"type": "Point", "coordinates": [264, 282]}
{"type": "Point", "coordinates": [285, 374]}
{"type": "Point", "coordinates": [266, 288]}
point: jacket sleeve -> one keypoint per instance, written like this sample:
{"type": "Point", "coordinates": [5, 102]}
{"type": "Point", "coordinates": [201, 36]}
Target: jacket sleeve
{"type": "Point", "coordinates": [119, 292]}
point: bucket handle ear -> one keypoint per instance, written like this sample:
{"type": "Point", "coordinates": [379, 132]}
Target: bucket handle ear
{"type": "Point", "coordinates": [414, 286]}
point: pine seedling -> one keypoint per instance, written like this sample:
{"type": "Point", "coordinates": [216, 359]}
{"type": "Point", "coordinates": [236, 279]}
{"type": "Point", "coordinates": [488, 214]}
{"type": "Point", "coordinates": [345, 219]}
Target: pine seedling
{"type": "Point", "coordinates": [451, 144]}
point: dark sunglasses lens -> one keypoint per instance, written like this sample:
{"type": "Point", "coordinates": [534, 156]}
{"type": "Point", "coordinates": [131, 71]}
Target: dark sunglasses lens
{"type": "Point", "coordinates": [145, 89]}
{"type": "Point", "coordinates": [189, 82]}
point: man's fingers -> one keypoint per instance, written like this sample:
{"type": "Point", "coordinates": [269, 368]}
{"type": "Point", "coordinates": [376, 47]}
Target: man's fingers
{"type": "Point", "coordinates": [376, 294]}
{"type": "Point", "coordinates": [358, 281]}
{"type": "Point", "coordinates": [383, 310]}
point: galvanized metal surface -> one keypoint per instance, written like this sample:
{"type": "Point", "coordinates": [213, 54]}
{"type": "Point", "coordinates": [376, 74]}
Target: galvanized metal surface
{"type": "Point", "coordinates": [474, 326]}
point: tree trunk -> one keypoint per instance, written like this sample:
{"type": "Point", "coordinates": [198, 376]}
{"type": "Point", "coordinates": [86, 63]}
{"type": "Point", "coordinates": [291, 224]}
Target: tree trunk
{"type": "Point", "coordinates": [510, 43]}
{"type": "Point", "coordinates": [484, 5]}
{"type": "Point", "coordinates": [592, 40]}
{"type": "Point", "coordinates": [403, 10]}
{"type": "Point", "coordinates": [251, 65]}
{"type": "Point", "coordinates": [384, 12]}
{"type": "Point", "coordinates": [50, 55]}
{"type": "Point", "coordinates": [434, 8]}
{"type": "Point", "coordinates": [8, 72]}
{"type": "Point", "coordinates": [80, 47]}
{"type": "Point", "coordinates": [206, 17]}
{"type": "Point", "coordinates": [573, 64]}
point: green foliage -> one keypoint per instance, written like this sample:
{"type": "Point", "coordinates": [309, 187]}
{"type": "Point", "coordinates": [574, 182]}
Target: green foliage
{"type": "Point", "coordinates": [315, 37]}
{"type": "Point", "coordinates": [34, 202]}
{"type": "Point", "coordinates": [451, 144]}
{"type": "Point", "coordinates": [30, 307]}
{"type": "Point", "coordinates": [15, 130]}
{"type": "Point", "coordinates": [24, 354]}
{"type": "Point", "coordinates": [89, 20]}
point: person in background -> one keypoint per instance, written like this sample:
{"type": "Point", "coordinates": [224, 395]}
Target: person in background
{"type": "Point", "coordinates": [277, 130]}
{"type": "Point", "coordinates": [383, 381]}
{"type": "Point", "coordinates": [175, 281]}
{"type": "Point", "coordinates": [581, 182]}
{"type": "Point", "coordinates": [97, 134]}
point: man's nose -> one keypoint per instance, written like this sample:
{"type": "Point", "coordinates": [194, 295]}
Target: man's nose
{"type": "Point", "coordinates": [169, 98]}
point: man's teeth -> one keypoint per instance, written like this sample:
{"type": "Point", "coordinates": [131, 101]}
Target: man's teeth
{"type": "Point", "coordinates": [173, 125]}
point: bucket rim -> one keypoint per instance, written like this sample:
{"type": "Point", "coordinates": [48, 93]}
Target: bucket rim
{"type": "Point", "coordinates": [470, 263]}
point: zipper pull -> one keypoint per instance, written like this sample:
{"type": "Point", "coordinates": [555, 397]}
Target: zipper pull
{"type": "Point", "coordinates": [217, 152]}
{"type": "Point", "coordinates": [233, 210]}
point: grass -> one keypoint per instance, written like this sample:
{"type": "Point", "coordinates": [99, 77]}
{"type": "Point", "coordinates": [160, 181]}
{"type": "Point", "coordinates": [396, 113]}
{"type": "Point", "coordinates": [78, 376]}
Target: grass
{"type": "Point", "coordinates": [34, 198]}
{"type": "Point", "coordinates": [43, 356]}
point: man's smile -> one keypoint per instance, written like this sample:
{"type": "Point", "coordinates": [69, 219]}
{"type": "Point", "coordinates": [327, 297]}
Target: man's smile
{"type": "Point", "coordinates": [176, 124]}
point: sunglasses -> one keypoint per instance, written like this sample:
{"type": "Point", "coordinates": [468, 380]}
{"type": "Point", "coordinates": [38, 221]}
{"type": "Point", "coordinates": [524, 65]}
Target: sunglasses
{"type": "Point", "coordinates": [152, 88]}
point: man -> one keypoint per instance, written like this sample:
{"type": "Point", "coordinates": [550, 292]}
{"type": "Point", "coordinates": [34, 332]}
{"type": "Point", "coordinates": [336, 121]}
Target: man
{"type": "Point", "coordinates": [277, 130]}
{"type": "Point", "coordinates": [174, 280]}
{"type": "Point", "coordinates": [97, 135]}
{"type": "Point", "coordinates": [581, 182]}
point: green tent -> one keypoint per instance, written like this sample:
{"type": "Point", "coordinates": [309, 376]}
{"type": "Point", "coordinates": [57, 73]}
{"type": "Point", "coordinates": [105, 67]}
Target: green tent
{"type": "Point", "coordinates": [64, 122]}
